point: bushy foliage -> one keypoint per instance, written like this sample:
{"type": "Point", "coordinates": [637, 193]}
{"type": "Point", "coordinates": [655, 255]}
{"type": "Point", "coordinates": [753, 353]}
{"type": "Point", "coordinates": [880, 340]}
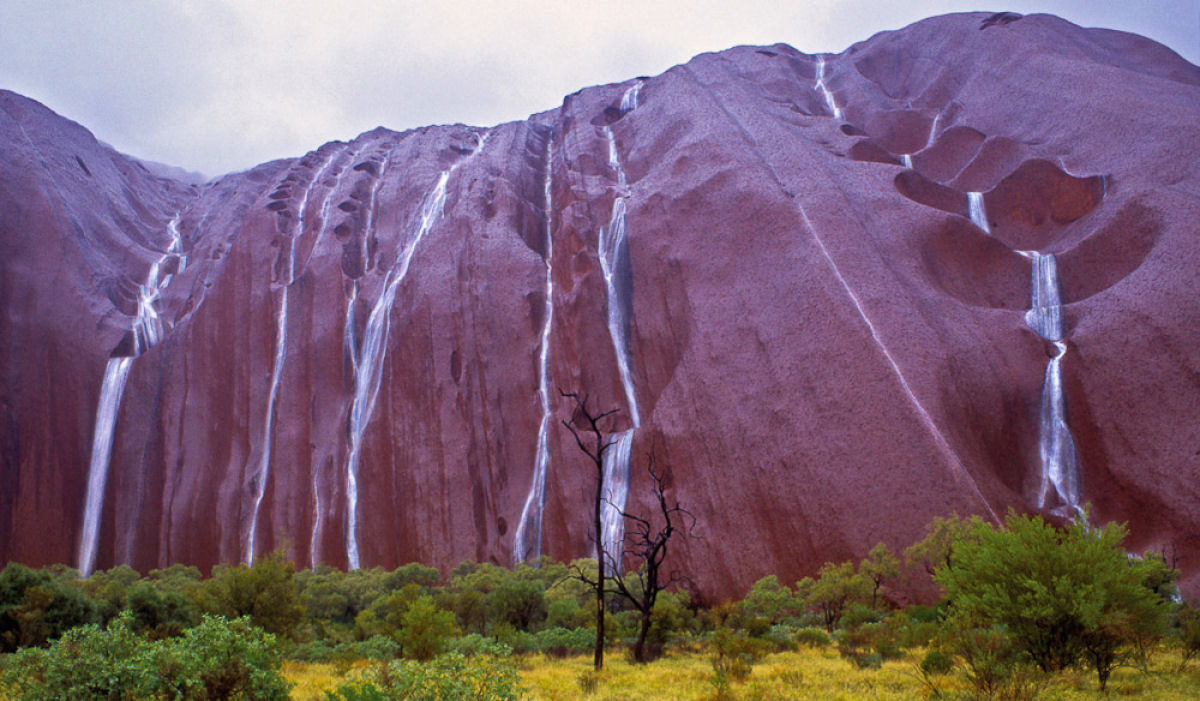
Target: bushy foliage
{"type": "Point", "coordinates": [448, 677]}
{"type": "Point", "coordinates": [217, 659]}
{"type": "Point", "coordinates": [425, 629]}
{"type": "Point", "coordinates": [267, 592]}
{"type": "Point", "coordinates": [1060, 595]}
{"type": "Point", "coordinates": [812, 636]}
{"type": "Point", "coordinates": [36, 606]}
{"type": "Point", "coordinates": [836, 587]}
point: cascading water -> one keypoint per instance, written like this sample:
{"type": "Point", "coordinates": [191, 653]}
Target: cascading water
{"type": "Point", "coordinates": [829, 101]}
{"type": "Point", "coordinates": [147, 331]}
{"type": "Point", "coordinates": [977, 211]}
{"type": "Point", "coordinates": [614, 258]}
{"type": "Point", "coordinates": [933, 129]}
{"type": "Point", "coordinates": [906, 159]}
{"type": "Point", "coordinates": [1056, 447]}
{"type": "Point", "coordinates": [314, 549]}
{"type": "Point", "coordinates": [368, 372]}
{"type": "Point", "coordinates": [264, 465]}
{"type": "Point", "coordinates": [531, 515]}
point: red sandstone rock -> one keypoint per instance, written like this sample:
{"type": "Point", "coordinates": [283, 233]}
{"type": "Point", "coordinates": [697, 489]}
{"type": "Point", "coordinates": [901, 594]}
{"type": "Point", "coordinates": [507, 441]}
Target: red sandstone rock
{"type": "Point", "coordinates": [825, 350]}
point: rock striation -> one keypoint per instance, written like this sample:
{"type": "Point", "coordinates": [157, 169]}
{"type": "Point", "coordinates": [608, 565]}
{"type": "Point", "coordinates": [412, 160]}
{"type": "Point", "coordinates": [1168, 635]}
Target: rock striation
{"type": "Point", "coordinates": [804, 280]}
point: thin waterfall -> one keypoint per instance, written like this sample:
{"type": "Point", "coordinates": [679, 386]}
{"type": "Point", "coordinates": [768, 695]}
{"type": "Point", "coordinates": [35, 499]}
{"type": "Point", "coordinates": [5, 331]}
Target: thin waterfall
{"type": "Point", "coordinates": [906, 159]}
{"type": "Point", "coordinates": [369, 368]}
{"type": "Point", "coordinates": [629, 101]}
{"type": "Point", "coordinates": [264, 465]}
{"type": "Point", "coordinates": [830, 102]}
{"type": "Point", "coordinates": [530, 527]}
{"type": "Point", "coordinates": [1056, 446]}
{"type": "Point", "coordinates": [933, 129]}
{"type": "Point", "coordinates": [147, 331]}
{"type": "Point", "coordinates": [613, 247]}
{"type": "Point", "coordinates": [977, 211]}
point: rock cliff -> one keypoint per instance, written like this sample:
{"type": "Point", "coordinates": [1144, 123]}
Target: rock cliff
{"type": "Point", "coordinates": [804, 279]}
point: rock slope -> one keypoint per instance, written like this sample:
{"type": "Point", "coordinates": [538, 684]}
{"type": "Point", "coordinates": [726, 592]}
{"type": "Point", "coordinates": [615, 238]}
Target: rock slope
{"type": "Point", "coordinates": [775, 256]}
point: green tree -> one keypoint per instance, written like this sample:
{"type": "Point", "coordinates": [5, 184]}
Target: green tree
{"type": "Point", "coordinates": [836, 586]}
{"type": "Point", "coordinates": [1061, 594]}
{"type": "Point", "coordinates": [770, 599]}
{"type": "Point", "coordinates": [266, 592]}
{"type": "Point", "coordinates": [36, 606]}
{"type": "Point", "coordinates": [936, 549]}
{"type": "Point", "coordinates": [879, 566]}
{"type": "Point", "coordinates": [425, 629]}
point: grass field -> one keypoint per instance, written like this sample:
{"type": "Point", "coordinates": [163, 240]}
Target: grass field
{"type": "Point", "coordinates": [804, 674]}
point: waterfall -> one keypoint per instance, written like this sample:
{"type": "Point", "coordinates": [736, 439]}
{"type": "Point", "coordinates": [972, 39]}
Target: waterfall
{"type": "Point", "coordinates": [368, 372]}
{"type": "Point", "coordinates": [616, 487]}
{"type": "Point", "coordinates": [614, 259]}
{"type": "Point", "coordinates": [977, 211]}
{"type": "Point", "coordinates": [906, 159]}
{"type": "Point", "coordinates": [147, 331]}
{"type": "Point", "coordinates": [629, 101]}
{"type": "Point", "coordinates": [829, 101]}
{"type": "Point", "coordinates": [264, 465]}
{"type": "Point", "coordinates": [535, 503]}
{"type": "Point", "coordinates": [933, 129]}
{"type": "Point", "coordinates": [1045, 312]}
{"type": "Point", "coordinates": [1056, 447]}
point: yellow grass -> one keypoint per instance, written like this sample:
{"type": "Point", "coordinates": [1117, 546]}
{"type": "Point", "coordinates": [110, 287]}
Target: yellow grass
{"type": "Point", "coordinates": [805, 674]}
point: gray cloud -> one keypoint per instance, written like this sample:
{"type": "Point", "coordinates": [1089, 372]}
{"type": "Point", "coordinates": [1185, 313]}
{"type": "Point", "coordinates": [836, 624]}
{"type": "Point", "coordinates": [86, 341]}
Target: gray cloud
{"type": "Point", "coordinates": [218, 86]}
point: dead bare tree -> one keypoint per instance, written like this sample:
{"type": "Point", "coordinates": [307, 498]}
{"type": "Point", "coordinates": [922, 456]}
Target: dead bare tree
{"type": "Point", "coordinates": [646, 547]}
{"type": "Point", "coordinates": [593, 441]}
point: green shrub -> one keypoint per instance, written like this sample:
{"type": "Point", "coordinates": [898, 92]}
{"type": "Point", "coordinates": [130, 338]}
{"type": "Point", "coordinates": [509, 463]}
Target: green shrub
{"type": "Point", "coordinates": [858, 614]}
{"type": "Point", "coordinates": [36, 606]}
{"type": "Point", "coordinates": [425, 629]}
{"type": "Point", "coordinates": [473, 644]}
{"type": "Point", "coordinates": [450, 676]}
{"type": "Point", "coordinates": [734, 654]}
{"type": "Point", "coordinates": [217, 659]}
{"type": "Point", "coordinates": [783, 637]}
{"type": "Point", "coordinates": [812, 636]}
{"type": "Point", "coordinates": [560, 642]}
{"type": "Point", "coordinates": [937, 662]}
{"type": "Point", "coordinates": [1062, 595]}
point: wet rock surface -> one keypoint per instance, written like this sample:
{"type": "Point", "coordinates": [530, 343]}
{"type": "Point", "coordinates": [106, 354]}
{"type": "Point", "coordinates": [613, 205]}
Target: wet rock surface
{"type": "Point", "coordinates": [824, 347]}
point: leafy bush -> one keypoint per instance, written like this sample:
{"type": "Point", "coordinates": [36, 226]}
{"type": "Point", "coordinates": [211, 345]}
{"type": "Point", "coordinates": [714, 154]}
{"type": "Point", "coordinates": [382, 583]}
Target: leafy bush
{"type": "Point", "coordinates": [937, 662]}
{"type": "Point", "coordinates": [812, 636]}
{"type": "Point", "coordinates": [858, 614]}
{"type": "Point", "coordinates": [734, 654]}
{"type": "Point", "coordinates": [783, 636]}
{"type": "Point", "coordinates": [267, 592]}
{"type": "Point", "coordinates": [560, 642]}
{"type": "Point", "coordinates": [450, 676]}
{"type": "Point", "coordinates": [1060, 594]}
{"type": "Point", "coordinates": [425, 629]}
{"type": "Point", "coordinates": [217, 659]}
{"type": "Point", "coordinates": [36, 606]}
{"type": "Point", "coordinates": [473, 644]}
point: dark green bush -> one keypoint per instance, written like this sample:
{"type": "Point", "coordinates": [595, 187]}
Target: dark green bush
{"type": "Point", "coordinates": [560, 642]}
{"type": "Point", "coordinates": [937, 662]}
{"type": "Point", "coordinates": [812, 636]}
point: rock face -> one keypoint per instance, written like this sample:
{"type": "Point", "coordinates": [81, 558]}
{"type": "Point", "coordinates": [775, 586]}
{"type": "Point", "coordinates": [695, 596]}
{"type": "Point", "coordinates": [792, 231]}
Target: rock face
{"type": "Point", "coordinates": [822, 344]}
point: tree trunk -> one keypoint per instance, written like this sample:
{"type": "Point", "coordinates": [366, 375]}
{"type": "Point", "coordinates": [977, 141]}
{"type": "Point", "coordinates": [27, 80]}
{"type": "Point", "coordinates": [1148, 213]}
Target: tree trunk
{"type": "Point", "coordinates": [599, 656]}
{"type": "Point", "coordinates": [639, 648]}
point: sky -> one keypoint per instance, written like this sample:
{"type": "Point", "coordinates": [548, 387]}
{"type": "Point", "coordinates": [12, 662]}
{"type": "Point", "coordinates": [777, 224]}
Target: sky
{"type": "Point", "coordinates": [221, 85]}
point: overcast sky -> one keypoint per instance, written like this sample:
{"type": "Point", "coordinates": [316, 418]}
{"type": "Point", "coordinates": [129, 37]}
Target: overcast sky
{"type": "Point", "coordinates": [221, 85]}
